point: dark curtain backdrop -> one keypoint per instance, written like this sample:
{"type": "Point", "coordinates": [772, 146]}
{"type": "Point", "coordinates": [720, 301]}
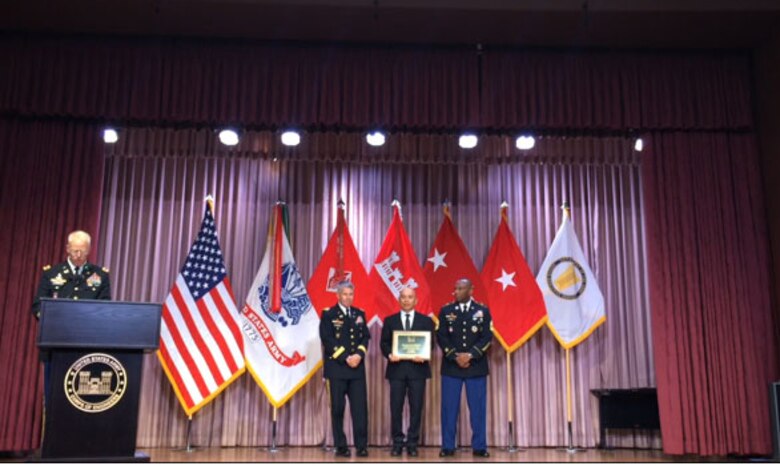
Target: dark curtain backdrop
{"type": "Point", "coordinates": [51, 182]}
{"type": "Point", "coordinates": [156, 181]}
{"type": "Point", "coordinates": [157, 81]}
{"type": "Point", "coordinates": [708, 263]}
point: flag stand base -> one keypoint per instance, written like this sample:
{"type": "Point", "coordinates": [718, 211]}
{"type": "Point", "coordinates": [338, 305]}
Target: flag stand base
{"type": "Point", "coordinates": [188, 448]}
{"type": "Point", "coordinates": [570, 451]}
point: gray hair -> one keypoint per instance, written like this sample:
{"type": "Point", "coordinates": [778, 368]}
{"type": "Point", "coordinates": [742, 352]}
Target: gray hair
{"type": "Point", "coordinates": [342, 285]}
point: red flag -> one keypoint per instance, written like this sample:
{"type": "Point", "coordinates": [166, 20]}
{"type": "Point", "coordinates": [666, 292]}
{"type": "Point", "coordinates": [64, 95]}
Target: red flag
{"type": "Point", "coordinates": [516, 302]}
{"type": "Point", "coordinates": [396, 267]}
{"type": "Point", "coordinates": [340, 262]}
{"type": "Point", "coordinates": [448, 261]}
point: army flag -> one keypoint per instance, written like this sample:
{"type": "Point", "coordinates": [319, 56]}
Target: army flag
{"type": "Point", "coordinates": [279, 323]}
{"type": "Point", "coordinates": [395, 268]}
{"type": "Point", "coordinates": [448, 261]}
{"type": "Point", "coordinates": [340, 262]}
{"type": "Point", "coordinates": [575, 305]}
{"type": "Point", "coordinates": [201, 348]}
{"type": "Point", "coordinates": [516, 303]}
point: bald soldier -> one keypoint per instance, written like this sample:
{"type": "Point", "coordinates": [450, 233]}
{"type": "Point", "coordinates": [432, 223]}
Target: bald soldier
{"type": "Point", "coordinates": [76, 278]}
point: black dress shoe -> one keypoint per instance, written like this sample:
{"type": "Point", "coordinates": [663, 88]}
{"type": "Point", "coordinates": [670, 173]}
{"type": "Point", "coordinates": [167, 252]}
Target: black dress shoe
{"type": "Point", "coordinates": [412, 451]}
{"type": "Point", "coordinates": [444, 453]}
{"type": "Point", "coordinates": [396, 451]}
{"type": "Point", "coordinates": [343, 451]}
{"type": "Point", "coordinates": [481, 453]}
{"type": "Point", "coordinates": [362, 452]}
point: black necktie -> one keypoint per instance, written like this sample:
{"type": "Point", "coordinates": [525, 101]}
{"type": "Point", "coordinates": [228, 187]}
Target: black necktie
{"type": "Point", "coordinates": [349, 314]}
{"type": "Point", "coordinates": [408, 324]}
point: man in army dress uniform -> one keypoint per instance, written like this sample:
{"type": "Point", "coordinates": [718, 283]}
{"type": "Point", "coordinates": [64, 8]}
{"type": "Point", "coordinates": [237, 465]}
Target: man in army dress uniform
{"type": "Point", "coordinates": [75, 278]}
{"type": "Point", "coordinates": [345, 336]}
{"type": "Point", "coordinates": [464, 335]}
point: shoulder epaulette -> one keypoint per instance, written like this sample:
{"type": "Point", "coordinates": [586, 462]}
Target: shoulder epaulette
{"type": "Point", "coordinates": [105, 269]}
{"type": "Point", "coordinates": [46, 267]}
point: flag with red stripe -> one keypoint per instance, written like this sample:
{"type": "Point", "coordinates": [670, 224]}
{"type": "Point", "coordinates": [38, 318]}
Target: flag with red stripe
{"type": "Point", "coordinates": [201, 348]}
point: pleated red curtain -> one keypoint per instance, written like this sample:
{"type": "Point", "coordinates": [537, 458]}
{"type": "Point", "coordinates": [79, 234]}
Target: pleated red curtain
{"type": "Point", "coordinates": [708, 265]}
{"type": "Point", "coordinates": [51, 181]}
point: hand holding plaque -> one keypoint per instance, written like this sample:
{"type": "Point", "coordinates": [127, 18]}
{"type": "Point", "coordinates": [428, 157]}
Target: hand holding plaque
{"type": "Point", "coordinates": [411, 345]}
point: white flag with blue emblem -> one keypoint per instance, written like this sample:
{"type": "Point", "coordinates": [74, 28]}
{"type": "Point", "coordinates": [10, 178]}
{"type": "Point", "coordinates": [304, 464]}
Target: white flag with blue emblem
{"type": "Point", "coordinates": [279, 323]}
{"type": "Point", "coordinates": [575, 305]}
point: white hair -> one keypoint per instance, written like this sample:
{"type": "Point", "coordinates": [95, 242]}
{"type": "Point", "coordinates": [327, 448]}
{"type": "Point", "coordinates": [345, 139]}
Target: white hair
{"type": "Point", "coordinates": [80, 235]}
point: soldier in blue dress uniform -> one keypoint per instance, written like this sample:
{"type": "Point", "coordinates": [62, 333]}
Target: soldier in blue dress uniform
{"type": "Point", "coordinates": [464, 335]}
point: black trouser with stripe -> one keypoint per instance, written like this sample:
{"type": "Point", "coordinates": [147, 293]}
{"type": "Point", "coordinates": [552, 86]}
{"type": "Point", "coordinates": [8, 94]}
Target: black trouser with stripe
{"type": "Point", "coordinates": [355, 390]}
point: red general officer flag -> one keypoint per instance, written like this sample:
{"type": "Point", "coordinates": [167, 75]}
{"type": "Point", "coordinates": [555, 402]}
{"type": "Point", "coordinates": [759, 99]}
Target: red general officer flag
{"type": "Point", "coordinates": [340, 262]}
{"type": "Point", "coordinates": [448, 261]}
{"type": "Point", "coordinates": [516, 303]}
{"type": "Point", "coordinates": [396, 267]}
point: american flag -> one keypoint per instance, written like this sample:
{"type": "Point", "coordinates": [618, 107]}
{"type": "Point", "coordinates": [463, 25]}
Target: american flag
{"type": "Point", "coordinates": [201, 347]}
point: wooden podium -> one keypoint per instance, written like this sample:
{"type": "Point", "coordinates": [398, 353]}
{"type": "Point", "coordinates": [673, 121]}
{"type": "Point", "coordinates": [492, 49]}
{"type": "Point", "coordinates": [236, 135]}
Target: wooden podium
{"type": "Point", "coordinates": [94, 355]}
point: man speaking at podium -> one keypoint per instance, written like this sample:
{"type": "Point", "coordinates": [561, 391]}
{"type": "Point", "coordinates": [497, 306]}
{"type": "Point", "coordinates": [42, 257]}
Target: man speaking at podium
{"type": "Point", "coordinates": [75, 278]}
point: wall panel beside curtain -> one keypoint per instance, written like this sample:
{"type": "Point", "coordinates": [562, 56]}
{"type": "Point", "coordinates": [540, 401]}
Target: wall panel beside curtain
{"type": "Point", "coordinates": [155, 184]}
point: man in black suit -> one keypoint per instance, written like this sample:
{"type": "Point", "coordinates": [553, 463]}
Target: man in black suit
{"type": "Point", "coordinates": [464, 335]}
{"type": "Point", "coordinates": [75, 278]}
{"type": "Point", "coordinates": [345, 336]}
{"type": "Point", "coordinates": [407, 377]}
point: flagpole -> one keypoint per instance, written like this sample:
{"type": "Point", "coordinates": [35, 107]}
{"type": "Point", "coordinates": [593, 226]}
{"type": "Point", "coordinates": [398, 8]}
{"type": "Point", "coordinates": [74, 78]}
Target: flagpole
{"type": "Point", "coordinates": [569, 417]}
{"type": "Point", "coordinates": [325, 446]}
{"type": "Point", "coordinates": [189, 448]}
{"type": "Point", "coordinates": [570, 444]}
{"type": "Point", "coordinates": [272, 448]}
{"type": "Point", "coordinates": [188, 441]}
{"type": "Point", "coordinates": [512, 448]}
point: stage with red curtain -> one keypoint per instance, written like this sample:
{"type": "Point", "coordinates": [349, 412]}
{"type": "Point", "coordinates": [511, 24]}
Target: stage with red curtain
{"type": "Point", "coordinates": [676, 234]}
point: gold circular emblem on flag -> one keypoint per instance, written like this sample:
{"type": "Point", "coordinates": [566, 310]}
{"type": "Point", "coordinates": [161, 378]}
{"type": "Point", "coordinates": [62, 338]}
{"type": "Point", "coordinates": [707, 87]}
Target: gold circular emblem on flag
{"type": "Point", "coordinates": [566, 278]}
{"type": "Point", "coordinates": [95, 382]}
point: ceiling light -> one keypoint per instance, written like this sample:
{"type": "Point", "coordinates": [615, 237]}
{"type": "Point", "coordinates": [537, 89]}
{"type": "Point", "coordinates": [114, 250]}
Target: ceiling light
{"type": "Point", "coordinates": [291, 138]}
{"type": "Point", "coordinates": [525, 142]}
{"type": "Point", "coordinates": [467, 141]}
{"type": "Point", "coordinates": [376, 139]}
{"type": "Point", "coordinates": [110, 136]}
{"type": "Point", "coordinates": [228, 137]}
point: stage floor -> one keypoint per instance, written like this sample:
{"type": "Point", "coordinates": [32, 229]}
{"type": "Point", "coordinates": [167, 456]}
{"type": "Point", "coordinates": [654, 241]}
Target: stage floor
{"type": "Point", "coordinates": [427, 454]}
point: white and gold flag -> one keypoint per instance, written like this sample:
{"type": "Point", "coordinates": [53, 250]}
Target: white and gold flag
{"type": "Point", "coordinates": [575, 305]}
